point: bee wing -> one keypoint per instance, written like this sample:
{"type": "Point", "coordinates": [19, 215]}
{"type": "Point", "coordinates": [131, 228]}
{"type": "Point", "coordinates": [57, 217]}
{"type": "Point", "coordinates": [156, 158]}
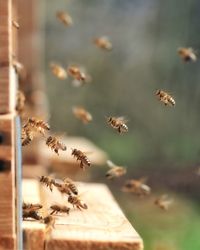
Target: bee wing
{"type": "Point", "coordinates": [122, 119]}
{"type": "Point", "coordinates": [110, 164]}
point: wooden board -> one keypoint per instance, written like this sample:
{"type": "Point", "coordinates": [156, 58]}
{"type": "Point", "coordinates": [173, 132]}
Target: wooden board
{"type": "Point", "coordinates": [102, 226]}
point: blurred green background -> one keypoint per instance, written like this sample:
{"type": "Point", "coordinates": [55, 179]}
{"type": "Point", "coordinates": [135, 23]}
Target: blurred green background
{"type": "Point", "coordinates": [162, 142]}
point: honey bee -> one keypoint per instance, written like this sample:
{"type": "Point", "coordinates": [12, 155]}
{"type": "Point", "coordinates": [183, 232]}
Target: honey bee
{"type": "Point", "coordinates": [82, 114]}
{"type": "Point", "coordinates": [48, 181]}
{"type": "Point", "coordinates": [115, 171]}
{"type": "Point", "coordinates": [31, 214]}
{"type": "Point", "coordinates": [71, 185]}
{"type": "Point", "coordinates": [27, 137]}
{"type": "Point", "coordinates": [103, 43]}
{"type": "Point", "coordinates": [165, 98]}
{"type": "Point", "coordinates": [76, 202]}
{"type": "Point", "coordinates": [20, 102]}
{"type": "Point", "coordinates": [59, 209]}
{"type": "Point", "coordinates": [15, 24]}
{"type": "Point", "coordinates": [118, 123]}
{"type": "Point", "coordinates": [28, 207]}
{"type": "Point", "coordinates": [79, 75]}
{"type": "Point", "coordinates": [50, 221]}
{"type": "Point", "coordinates": [64, 17]}
{"type": "Point", "coordinates": [187, 54]}
{"type": "Point", "coordinates": [137, 187]}
{"type": "Point", "coordinates": [58, 71]}
{"type": "Point", "coordinates": [81, 156]}
{"type": "Point", "coordinates": [163, 202]}
{"type": "Point", "coordinates": [55, 144]}
{"type": "Point", "coordinates": [36, 125]}
{"type": "Point", "coordinates": [63, 188]}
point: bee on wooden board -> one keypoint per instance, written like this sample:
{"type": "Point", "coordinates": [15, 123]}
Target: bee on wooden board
{"type": "Point", "coordinates": [20, 102]}
{"type": "Point", "coordinates": [163, 202]}
{"type": "Point", "coordinates": [137, 187]}
{"type": "Point", "coordinates": [48, 181]}
{"type": "Point", "coordinates": [115, 171]}
{"type": "Point", "coordinates": [64, 18]}
{"type": "Point", "coordinates": [103, 43]}
{"type": "Point", "coordinates": [118, 123]}
{"type": "Point", "coordinates": [79, 75]}
{"type": "Point", "coordinates": [82, 114]}
{"type": "Point", "coordinates": [55, 145]}
{"type": "Point", "coordinates": [36, 125]}
{"type": "Point", "coordinates": [77, 202]}
{"type": "Point", "coordinates": [56, 208]}
{"type": "Point", "coordinates": [187, 54]}
{"type": "Point", "coordinates": [81, 156]}
{"type": "Point", "coordinates": [15, 24]}
{"type": "Point", "coordinates": [166, 98]}
{"type": "Point", "coordinates": [50, 221]}
{"type": "Point", "coordinates": [58, 71]}
{"type": "Point", "coordinates": [31, 214]}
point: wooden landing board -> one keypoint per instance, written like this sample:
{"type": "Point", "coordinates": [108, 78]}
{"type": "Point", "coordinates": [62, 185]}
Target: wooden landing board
{"type": "Point", "coordinates": [102, 226]}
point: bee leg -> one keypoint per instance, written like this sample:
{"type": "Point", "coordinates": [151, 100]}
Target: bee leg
{"type": "Point", "coordinates": [52, 212]}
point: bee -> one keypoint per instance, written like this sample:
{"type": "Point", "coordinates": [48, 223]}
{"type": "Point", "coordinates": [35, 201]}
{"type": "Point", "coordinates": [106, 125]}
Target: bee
{"type": "Point", "coordinates": [115, 171]}
{"type": "Point", "coordinates": [103, 43]}
{"type": "Point", "coordinates": [79, 75]}
{"type": "Point", "coordinates": [163, 202]}
{"type": "Point", "coordinates": [28, 207]}
{"type": "Point", "coordinates": [118, 123]}
{"type": "Point", "coordinates": [81, 156]}
{"type": "Point", "coordinates": [165, 98]}
{"type": "Point", "coordinates": [20, 102]}
{"type": "Point", "coordinates": [27, 137]}
{"type": "Point", "coordinates": [64, 17]}
{"type": "Point", "coordinates": [48, 181]}
{"type": "Point", "coordinates": [58, 71]}
{"type": "Point", "coordinates": [70, 184]}
{"type": "Point", "coordinates": [36, 125]}
{"type": "Point", "coordinates": [15, 24]}
{"type": "Point", "coordinates": [59, 209]}
{"type": "Point", "coordinates": [18, 66]}
{"type": "Point", "coordinates": [82, 114]}
{"type": "Point", "coordinates": [63, 188]}
{"type": "Point", "coordinates": [50, 221]}
{"type": "Point", "coordinates": [137, 187]}
{"type": "Point", "coordinates": [187, 54]}
{"type": "Point", "coordinates": [55, 144]}
{"type": "Point", "coordinates": [31, 214]}
{"type": "Point", "coordinates": [76, 202]}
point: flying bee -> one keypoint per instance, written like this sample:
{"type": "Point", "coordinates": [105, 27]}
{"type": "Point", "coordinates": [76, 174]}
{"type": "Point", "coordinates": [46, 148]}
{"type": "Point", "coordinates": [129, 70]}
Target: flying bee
{"type": "Point", "coordinates": [64, 17]}
{"type": "Point", "coordinates": [71, 185]}
{"type": "Point", "coordinates": [50, 221]}
{"type": "Point", "coordinates": [103, 43]}
{"type": "Point", "coordinates": [137, 187]}
{"type": "Point", "coordinates": [81, 156]}
{"type": "Point", "coordinates": [115, 171]}
{"type": "Point", "coordinates": [36, 125]}
{"type": "Point", "coordinates": [31, 214]}
{"type": "Point", "coordinates": [77, 202]}
{"type": "Point", "coordinates": [20, 102]}
{"type": "Point", "coordinates": [55, 145]}
{"type": "Point", "coordinates": [48, 181]}
{"type": "Point", "coordinates": [165, 98]}
{"type": "Point", "coordinates": [118, 123]}
{"type": "Point", "coordinates": [15, 24]}
{"type": "Point", "coordinates": [58, 71]}
{"type": "Point", "coordinates": [82, 114]}
{"type": "Point", "coordinates": [28, 207]}
{"type": "Point", "coordinates": [79, 75]}
{"type": "Point", "coordinates": [63, 188]}
{"type": "Point", "coordinates": [163, 202]}
{"type": "Point", "coordinates": [59, 209]}
{"type": "Point", "coordinates": [27, 137]}
{"type": "Point", "coordinates": [187, 54]}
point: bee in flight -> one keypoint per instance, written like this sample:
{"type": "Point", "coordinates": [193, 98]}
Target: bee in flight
{"type": "Point", "coordinates": [59, 209]}
{"type": "Point", "coordinates": [103, 43]}
{"type": "Point", "coordinates": [50, 221]}
{"type": "Point", "coordinates": [137, 187]}
{"type": "Point", "coordinates": [58, 71]}
{"type": "Point", "coordinates": [81, 156]}
{"type": "Point", "coordinates": [115, 171]}
{"type": "Point", "coordinates": [165, 98]}
{"type": "Point", "coordinates": [26, 137]}
{"type": "Point", "coordinates": [71, 185]}
{"type": "Point", "coordinates": [82, 114]}
{"type": "Point", "coordinates": [77, 202]}
{"type": "Point", "coordinates": [36, 125]}
{"type": "Point", "coordinates": [163, 202]}
{"type": "Point", "coordinates": [187, 54]}
{"type": "Point", "coordinates": [79, 75]}
{"type": "Point", "coordinates": [48, 181]}
{"type": "Point", "coordinates": [118, 123]}
{"type": "Point", "coordinates": [64, 17]}
{"type": "Point", "coordinates": [66, 186]}
{"type": "Point", "coordinates": [55, 145]}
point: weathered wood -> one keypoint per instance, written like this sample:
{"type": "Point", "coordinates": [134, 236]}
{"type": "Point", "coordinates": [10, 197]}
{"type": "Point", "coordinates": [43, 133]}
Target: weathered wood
{"type": "Point", "coordinates": [33, 231]}
{"type": "Point", "coordinates": [7, 182]}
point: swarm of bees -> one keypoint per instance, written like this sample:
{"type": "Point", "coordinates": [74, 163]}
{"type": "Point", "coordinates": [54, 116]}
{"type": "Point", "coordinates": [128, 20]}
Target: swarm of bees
{"type": "Point", "coordinates": [166, 98]}
{"type": "Point", "coordinates": [103, 43]}
{"type": "Point", "coordinates": [118, 123]}
{"type": "Point", "coordinates": [58, 71]}
{"type": "Point", "coordinates": [82, 114]}
{"type": "Point", "coordinates": [64, 18]}
{"type": "Point", "coordinates": [115, 171]}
